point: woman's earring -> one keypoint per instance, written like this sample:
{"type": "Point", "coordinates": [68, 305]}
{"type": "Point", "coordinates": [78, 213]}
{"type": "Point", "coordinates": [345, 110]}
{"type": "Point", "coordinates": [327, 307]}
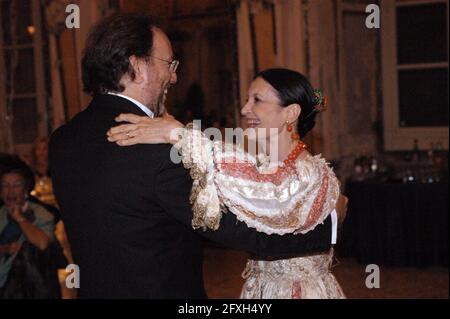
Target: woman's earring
{"type": "Point", "coordinates": [295, 136]}
{"type": "Point", "coordinates": [289, 127]}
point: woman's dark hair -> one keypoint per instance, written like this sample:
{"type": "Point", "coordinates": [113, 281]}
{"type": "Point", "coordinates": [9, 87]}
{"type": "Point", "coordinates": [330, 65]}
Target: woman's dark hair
{"type": "Point", "coordinates": [108, 48]}
{"type": "Point", "coordinates": [11, 164]}
{"type": "Point", "coordinates": [293, 87]}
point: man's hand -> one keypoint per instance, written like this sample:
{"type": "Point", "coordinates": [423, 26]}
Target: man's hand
{"type": "Point", "coordinates": [341, 208]}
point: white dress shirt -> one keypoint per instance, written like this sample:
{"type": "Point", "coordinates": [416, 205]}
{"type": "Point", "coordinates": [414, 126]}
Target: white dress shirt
{"type": "Point", "coordinates": [145, 109]}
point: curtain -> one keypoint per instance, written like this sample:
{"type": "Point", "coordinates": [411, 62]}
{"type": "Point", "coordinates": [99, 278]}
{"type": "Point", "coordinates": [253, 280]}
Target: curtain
{"type": "Point", "coordinates": [245, 49]}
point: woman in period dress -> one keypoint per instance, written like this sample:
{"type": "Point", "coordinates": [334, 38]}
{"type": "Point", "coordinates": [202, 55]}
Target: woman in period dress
{"type": "Point", "coordinates": [275, 197]}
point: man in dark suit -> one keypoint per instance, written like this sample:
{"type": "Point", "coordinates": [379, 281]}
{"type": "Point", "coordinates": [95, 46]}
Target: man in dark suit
{"type": "Point", "coordinates": [126, 209]}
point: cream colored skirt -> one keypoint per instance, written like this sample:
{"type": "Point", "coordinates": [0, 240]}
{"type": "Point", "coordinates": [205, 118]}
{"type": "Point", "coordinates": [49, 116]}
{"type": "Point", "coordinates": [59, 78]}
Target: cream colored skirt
{"type": "Point", "coordinates": [296, 278]}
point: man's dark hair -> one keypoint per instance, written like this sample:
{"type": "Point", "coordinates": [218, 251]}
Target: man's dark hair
{"type": "Point", "coordinates": [108, 48]}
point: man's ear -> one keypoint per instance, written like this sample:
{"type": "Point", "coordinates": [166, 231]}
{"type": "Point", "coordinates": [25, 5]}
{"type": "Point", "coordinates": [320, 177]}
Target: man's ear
{"type": "Point", "coordinates": [293, 111]}
{"type": "Point", "coordinates": [136, 65]}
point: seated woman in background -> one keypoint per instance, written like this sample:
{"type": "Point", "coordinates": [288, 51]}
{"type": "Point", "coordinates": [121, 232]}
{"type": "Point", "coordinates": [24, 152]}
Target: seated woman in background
{"type": "Point", "coordinates": [27, 250]}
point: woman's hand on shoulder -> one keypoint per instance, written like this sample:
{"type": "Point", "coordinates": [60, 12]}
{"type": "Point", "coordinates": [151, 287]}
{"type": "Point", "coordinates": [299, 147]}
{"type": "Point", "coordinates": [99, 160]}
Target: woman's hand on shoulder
{"type": "Point", "coordinates": [144, 130]}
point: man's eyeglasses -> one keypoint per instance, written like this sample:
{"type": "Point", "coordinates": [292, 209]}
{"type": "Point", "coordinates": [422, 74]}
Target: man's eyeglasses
{"type": "Point", "coordinates": [173, 65]}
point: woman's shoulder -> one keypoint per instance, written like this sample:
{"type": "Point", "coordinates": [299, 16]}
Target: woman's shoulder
{"type": "Point", "coordinates": [315, 168]}
{"type": "Point", "coordinates": [308, 161]}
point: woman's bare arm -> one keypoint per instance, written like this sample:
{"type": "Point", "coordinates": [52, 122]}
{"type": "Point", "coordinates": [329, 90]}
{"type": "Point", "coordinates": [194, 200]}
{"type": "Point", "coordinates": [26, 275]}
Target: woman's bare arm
{"type": "Point", "coordinates": [144, 130]}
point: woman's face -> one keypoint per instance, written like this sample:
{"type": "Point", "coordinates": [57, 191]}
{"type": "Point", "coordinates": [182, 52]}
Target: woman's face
{"type": "Point", "coordinates": [13, 189]}
{"type": "Point", "coordinates": [263, 109]}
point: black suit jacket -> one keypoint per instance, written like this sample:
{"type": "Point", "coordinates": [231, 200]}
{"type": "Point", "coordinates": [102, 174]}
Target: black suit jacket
{"type": "Point", "coordinates": [128, 217]}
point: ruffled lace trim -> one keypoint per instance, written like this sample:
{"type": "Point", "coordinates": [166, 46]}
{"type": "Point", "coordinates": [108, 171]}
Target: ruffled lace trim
{"type": "Point", "coordinates": [296, 202]}
{"type": "Point", "coordinates": [197, 156]}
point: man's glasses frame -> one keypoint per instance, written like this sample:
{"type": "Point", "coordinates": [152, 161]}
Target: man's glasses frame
{"type": "Point", "coordinates": [173, 65]}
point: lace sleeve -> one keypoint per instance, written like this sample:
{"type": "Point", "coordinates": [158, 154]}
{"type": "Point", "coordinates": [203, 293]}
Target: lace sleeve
{"type": "Point", "coordinates": [197, 156]}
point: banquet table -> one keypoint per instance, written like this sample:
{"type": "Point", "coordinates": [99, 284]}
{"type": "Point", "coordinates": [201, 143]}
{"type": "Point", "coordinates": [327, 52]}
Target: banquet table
{"type": "Point", "coordinates": [396, 224]}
